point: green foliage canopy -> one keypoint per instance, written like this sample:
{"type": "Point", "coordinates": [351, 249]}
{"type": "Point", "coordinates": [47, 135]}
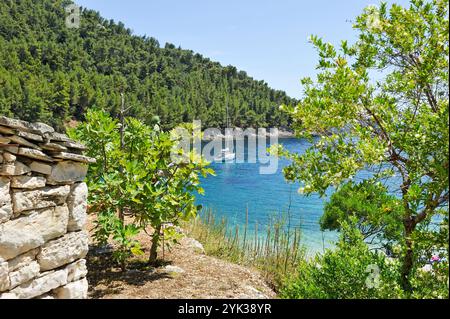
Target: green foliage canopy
{"type": "Point", "coordinates": [382, 105]}
{"type": "Point", "coordinates": [378, 213]}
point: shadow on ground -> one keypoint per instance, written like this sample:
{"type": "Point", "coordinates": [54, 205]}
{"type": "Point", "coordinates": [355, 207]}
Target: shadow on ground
{"type": "Point", "coordinates": [106, 277]}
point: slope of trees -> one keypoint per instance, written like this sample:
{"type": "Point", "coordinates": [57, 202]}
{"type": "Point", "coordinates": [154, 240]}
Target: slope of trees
{"type": "Point", "coordinates": [51, 73]}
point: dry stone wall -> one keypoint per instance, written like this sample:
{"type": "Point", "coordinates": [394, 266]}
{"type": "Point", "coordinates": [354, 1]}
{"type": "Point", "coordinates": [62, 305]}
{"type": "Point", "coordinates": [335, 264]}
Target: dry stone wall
{"type": "Point", "coordinates": [43, 202]}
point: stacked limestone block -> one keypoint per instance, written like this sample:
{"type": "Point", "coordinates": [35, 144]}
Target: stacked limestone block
{"type": "Point", "coordinates": [42, 212]}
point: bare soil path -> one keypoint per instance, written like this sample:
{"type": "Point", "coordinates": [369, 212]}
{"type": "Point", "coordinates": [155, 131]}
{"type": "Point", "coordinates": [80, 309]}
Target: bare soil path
{"type": "Point", "coordinates": [185, 273]}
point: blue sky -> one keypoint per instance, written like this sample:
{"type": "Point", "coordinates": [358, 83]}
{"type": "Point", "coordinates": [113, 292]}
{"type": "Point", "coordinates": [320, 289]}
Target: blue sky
{"type": "Point", "coordinates": [267, 39]}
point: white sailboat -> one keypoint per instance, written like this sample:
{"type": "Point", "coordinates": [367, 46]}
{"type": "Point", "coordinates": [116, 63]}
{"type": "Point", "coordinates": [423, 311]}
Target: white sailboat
{"type": "Point", "coordinates": [225, 155]}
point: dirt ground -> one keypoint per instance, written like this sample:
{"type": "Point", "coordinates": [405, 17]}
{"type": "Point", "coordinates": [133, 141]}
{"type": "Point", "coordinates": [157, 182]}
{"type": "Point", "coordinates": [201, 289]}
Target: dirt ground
{"type": "Point", "coordinates": [186, 272]}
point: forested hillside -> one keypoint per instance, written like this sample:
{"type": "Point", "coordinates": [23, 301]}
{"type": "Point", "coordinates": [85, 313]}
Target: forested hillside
{"type": "Point", "coordinates": [53, 74]}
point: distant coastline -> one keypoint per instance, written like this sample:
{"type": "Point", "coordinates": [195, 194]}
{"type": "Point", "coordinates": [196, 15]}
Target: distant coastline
{"type": "Point", "coordinates": [282, 133]}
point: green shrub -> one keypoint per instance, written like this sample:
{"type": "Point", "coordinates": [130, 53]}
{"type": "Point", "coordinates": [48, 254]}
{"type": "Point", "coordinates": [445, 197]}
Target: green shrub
{"type": "Point", "coordinates": [350, 271]}
{"type": "Point", "coordinates": [137, 176]}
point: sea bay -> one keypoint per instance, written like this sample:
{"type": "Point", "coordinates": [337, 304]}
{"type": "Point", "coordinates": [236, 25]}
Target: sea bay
{"type": "Point", "coordinates": [238, 187]}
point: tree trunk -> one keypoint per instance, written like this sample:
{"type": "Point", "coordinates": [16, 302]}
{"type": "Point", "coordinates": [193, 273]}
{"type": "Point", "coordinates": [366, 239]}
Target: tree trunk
{"type": "Point", "coordinates": [155, 243]}
{"type": "Point", "coordinates": [408, 259]}
{"type": "Point", "coordinates": [122, 145]}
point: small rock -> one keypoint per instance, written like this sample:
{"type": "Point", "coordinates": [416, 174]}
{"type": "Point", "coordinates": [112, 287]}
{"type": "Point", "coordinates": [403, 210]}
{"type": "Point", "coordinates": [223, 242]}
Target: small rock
{"type": "Point", "coordinates": [36, 128]}
{"type": "Point", "coordinates": [23, 142]}
{"type": "Point", "coordinates": [77, 203]}
{"type": "Point", "coordinates": [21, 168]}
{"type": "Point", "coordinates": [4, 278]}
{"type": "Point", "coordinates": [9, 158]}
{"type": "Point", "coordinates": [74, 157]}
{"type": "Point", "coordinates": [53, 147]}
{"type": "Point", "coordinates": [35, 154]}
{"type": "Point", "coordinates": [41, 285]}
{"type": "Point", "coordinates": [7, 169]}
{"type": "Point", "coordinates": [254, 293]}
{"type": "Point", "coordinates": [24, 274]}
{"type": "Point", "coordinates": [194, 244]}
{"type": "Point", "coordinates": [41, 128]}
{"type": "Point", "coordinates": [73, 290]}
{"type": "Point", "coordinates": [54, 136]}
{"type": "Point", "coordinates": [6, 209]}
{"type": "Point", "coordinates": [41, 198]}
{"type": "Point", "coordinates": [23, 260]}
{"type": "Point", "coordinates": [75, 145]}
{"type": "Point", "coordinates": [23, 234]}
{"type": "Point", "coordinates": [30, 182]}
{"type": "Point", "coordinates": [64, 250]}
{"type": "Point", "coordinates": [67, 171]}
{"type": "Point", "coordinates": [11, 149]}
{"type": "Point", "coordinates": [76, 270]}
{"type": "Point", "coordinates": [42, 168]}
{"type": "Point", "coordinates": [174, 269]}
{"type": "Point", "coordinates": [4, 140]}
{"type": "Point", "coordinates": [15, 169]}
{"type": "Point", "coordinates": [6, 130]}
{"type": "Point", "coordinates": [30, 136]}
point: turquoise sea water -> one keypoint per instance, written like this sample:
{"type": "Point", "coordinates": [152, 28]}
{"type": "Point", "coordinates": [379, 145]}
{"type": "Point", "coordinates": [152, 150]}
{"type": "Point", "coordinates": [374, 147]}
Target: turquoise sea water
{"type": "Point", "coordinates": [240, 185]}
{"type": "Point", "coordinates": [237, 186]}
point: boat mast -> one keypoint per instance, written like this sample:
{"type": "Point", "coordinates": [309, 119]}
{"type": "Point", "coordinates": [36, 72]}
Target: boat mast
{"type": "Point", "coordinates": [227, 138]}
{"type": "Point", "coordinates": [226, 103]}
